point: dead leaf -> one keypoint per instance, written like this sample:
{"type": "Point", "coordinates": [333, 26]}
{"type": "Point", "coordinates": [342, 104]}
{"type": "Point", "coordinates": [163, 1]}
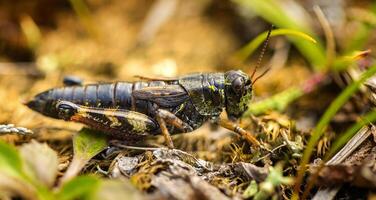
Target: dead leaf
{"type": "Point", "coordinates": [41, 161]}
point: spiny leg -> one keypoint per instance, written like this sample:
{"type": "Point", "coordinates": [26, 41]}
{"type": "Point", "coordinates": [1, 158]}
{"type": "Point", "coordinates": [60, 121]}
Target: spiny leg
{"type": "Point", "coordinates": [165, 133]}
{"type": "Point", "coordinates": [119, 123]}
{"type": "Point", "coordinates": [237, 129]}
{"type": "Point", "coordinates": [163, 117]}
{"type": "Point", "coordinates": [173, 120]}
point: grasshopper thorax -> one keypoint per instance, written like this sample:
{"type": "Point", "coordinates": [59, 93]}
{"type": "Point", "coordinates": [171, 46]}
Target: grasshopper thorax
{"type": "Point", "coordinates": [238, 93]}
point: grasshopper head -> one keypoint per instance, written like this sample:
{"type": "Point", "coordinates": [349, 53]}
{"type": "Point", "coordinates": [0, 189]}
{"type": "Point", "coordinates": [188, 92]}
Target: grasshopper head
{"type": "Point", "coordinates": [238, 92]}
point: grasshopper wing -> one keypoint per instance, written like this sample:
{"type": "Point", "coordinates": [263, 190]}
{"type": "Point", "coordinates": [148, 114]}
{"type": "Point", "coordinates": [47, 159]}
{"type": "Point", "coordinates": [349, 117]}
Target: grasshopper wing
{"type": "Point", "coordinates": [166, 96]}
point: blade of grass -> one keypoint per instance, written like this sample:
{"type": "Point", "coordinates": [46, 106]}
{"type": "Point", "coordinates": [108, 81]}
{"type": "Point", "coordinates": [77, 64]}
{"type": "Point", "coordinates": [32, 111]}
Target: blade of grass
{"type": "Point", "coordinates": [281, 100]}
{"type": "Point", "coordinates": [248, 49]}
{"type": "Point", "coordinates": [343, 62]}
{"type": "Point", "coordinates": [277, 102]}
{"type": "Point", "coordinates": [31, 31]}
{"type": "Point", "coordinates": [361, 34]}
{"type": "Point", "coordinates": [352, 138]}
{"type": "Point", "coordinates": [323, 123]}
{"type": "Point", "coordinates": [273, 12]}
{"type": "Point", "coordinates": [85, 17]}
{"type": "Point", "coordinates": [329, 36]}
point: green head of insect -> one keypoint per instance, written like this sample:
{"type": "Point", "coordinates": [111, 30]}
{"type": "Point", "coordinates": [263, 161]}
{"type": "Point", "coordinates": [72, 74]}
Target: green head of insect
{"type": "Point", "coordinates": [238, 93]}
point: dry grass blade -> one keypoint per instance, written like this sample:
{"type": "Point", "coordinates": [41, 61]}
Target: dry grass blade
{"type": "Point", "coordinates": [330, 40]}
{"type": "Point", "coordinates": [354, 143]}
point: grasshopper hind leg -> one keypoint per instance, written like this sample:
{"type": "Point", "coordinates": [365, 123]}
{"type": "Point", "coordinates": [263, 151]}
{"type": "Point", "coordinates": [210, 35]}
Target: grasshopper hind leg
{"type": "Point", "coordinates": [163, 117]}
{"type": "Point", "coordinates": [122, 124]}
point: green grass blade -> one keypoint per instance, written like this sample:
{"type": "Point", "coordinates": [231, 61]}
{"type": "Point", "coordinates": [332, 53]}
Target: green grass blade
{"type": "Point", "coordinates": [343, 62]}
{"type": "Point", "coordinates": [248, 50]}
{"type": "Point", "coordinates": [324, 121]}
{"type": "Point", "coordinates": [84, 15]}
{"type": "Point", "coordinates": [273, 12]}
{"type": "Point", "coordinates": [277, 102]}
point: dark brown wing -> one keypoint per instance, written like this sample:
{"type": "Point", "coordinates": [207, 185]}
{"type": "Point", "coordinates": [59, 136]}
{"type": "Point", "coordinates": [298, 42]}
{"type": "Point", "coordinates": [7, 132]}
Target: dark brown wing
{"type": "Point", "coordinates": [166, 96]}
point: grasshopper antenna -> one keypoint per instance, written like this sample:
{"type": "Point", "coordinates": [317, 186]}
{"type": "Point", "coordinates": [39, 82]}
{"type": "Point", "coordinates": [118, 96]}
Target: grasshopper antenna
{"type": "Point", "coordinates": [261, 56]}
{"type": "Point", "coordinates": [266, 71]}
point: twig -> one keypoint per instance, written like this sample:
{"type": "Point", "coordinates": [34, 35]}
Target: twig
{"type": "Point", "coordinates": [272, 151]}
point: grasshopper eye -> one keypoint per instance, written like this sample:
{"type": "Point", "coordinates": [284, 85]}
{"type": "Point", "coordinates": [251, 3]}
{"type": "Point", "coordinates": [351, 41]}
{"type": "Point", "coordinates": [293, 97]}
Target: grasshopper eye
{"type": "Point", "coordinates": [238, 84]}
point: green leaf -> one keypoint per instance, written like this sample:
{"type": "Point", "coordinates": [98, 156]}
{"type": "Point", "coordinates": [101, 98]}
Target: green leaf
{"type": "Point", "coordinates": [251, 190]}
{"type": "Point", "coordinates": [81, 187]}
{"type": "Point", "coordinates": [12, 169]}
{"type": "Point", "coordinates": [10, 161]}
{"type": "Point", "coordinates": [88, 143]}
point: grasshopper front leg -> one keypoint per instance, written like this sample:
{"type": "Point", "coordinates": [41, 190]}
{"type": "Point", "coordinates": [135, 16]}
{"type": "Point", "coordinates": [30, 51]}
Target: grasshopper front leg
{"type": "Point", "coordinates": [237, 129]}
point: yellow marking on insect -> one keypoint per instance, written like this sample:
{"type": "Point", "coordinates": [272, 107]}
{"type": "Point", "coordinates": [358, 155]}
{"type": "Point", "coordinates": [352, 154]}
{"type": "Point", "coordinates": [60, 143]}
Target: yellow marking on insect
{"type": "Point", "coordinates": [81, 114]}
{"type": "Point", "coordinates": [114, 121]}
{"type": "Point", "coordinates": [137, 124]}
{"type": "Point", "coordinates": [222, 92]}
{"type": "Point", "coordinates": [212, 87]}
{"type": "Point", "coordinates": [180, 107]}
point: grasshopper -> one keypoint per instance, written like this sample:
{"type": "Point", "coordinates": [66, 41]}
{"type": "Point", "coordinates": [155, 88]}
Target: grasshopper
{"type": "Point", "coordinates": [132, 110]}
